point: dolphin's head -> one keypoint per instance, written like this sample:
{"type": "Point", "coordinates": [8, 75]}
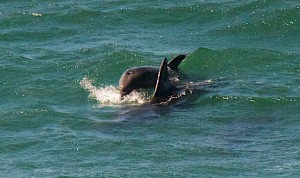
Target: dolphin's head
{"type": "Point", "coordinates": [127, 82]}
{"type": "Point", "coordinates": [136, 78]}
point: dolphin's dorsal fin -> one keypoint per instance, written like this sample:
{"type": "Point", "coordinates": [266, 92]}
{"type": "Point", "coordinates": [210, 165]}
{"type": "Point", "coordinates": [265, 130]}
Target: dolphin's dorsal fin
{"type": "Point", "coordinates": [163, 85]}
{"type": "Point", "coordinates": [174, 63]}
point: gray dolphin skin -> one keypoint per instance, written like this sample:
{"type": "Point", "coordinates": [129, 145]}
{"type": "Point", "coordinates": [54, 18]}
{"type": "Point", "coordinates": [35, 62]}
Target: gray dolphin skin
{"type": "Point", "coordinates": [150, 77]}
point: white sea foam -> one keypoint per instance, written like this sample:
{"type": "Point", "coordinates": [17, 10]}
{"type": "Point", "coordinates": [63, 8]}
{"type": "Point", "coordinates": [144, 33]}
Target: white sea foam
{"type": "Point", "coordinates": [36, 14]}
{"type": "Point", "coordinates": [110, 95]}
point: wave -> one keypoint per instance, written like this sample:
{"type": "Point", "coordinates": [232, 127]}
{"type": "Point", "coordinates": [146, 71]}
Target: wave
{"type": "Point", "coordinates": [250, 73]}
{"type": "Point", "coordinates": [232, 62]}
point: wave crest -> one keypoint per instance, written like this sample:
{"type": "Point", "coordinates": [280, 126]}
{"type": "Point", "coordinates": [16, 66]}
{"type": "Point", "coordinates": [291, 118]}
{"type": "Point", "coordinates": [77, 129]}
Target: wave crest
{"type": "Point", "coordinates": [110, 95]}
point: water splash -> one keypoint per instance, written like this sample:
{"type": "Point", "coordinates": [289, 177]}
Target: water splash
{"type": "Point", "coordinates": [110, 95]}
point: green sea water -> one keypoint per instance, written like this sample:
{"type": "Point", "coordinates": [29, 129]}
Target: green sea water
{"type": "Point", "coordinates": [60, 111]}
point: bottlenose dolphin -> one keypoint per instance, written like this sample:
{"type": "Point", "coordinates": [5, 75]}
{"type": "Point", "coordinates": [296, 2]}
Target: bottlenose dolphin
{"type": "Point", "coordinates": [161, 79]}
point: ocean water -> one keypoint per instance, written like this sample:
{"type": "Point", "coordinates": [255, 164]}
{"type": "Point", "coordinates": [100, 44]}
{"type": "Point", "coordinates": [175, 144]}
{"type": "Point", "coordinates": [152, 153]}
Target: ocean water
{"type": "Point", "coordinates": [60, 111]}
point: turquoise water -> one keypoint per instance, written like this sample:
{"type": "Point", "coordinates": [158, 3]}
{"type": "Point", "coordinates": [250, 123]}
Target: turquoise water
{"type": "Point", "coordinates": [61, 116]}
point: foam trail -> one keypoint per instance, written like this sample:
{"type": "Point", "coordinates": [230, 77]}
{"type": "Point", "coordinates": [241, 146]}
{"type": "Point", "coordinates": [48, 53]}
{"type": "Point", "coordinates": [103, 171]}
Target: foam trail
{"type": "Point", "coordinates": [110, 95]}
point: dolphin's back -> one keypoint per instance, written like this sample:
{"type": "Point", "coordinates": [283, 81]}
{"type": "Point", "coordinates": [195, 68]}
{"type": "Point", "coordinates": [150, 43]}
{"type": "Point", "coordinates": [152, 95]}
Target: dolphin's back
{"type": "Point", "coordinates": [146, 76]}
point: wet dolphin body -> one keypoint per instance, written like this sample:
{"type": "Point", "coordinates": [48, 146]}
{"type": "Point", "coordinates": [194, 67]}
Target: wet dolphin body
{"type": "Point", "coordinates": [151, 77]}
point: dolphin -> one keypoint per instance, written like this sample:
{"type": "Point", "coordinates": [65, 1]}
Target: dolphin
{"type": "Point", "coordinates": [160, 79]}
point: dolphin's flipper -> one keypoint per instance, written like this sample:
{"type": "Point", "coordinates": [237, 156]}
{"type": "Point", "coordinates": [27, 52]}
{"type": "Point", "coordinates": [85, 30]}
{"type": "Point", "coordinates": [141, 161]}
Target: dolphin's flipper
{"type": "Point", "coordinates": [163, 88]}
{"type": "Point", "coordinates": [174, 63]}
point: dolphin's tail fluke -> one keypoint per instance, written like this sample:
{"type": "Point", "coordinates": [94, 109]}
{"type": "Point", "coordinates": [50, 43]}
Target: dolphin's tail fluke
{"type": "Point", "coordinates": [174, 63]}
{"type": "Point", "coordinates": [163, 88]}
